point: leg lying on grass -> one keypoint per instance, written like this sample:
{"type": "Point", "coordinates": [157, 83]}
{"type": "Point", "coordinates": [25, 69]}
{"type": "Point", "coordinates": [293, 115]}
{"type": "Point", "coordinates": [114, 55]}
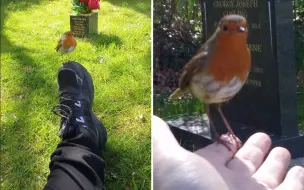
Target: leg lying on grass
{"type": "Point", "coordinates": [76, 163]}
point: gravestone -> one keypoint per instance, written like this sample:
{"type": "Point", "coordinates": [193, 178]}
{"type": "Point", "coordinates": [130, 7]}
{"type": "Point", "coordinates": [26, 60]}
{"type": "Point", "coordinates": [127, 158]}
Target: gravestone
{"type": "Point", "coordinates": [267, 102]}
{"type": "Point", "coordinates": [84, 24]}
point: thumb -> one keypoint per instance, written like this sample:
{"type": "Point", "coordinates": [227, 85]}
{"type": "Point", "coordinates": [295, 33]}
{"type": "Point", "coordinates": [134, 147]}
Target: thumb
{"type": "Point", "coordinates": [167, 154]}
{"type": "Point", "coordinates": [162, 135]}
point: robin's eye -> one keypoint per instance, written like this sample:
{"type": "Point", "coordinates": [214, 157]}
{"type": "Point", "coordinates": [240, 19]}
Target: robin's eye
{"type": "Point", "coordinates": [225, 28]}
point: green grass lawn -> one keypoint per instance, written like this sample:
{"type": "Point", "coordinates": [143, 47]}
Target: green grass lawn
{"type": "Point", "coordinates": [119, 61]}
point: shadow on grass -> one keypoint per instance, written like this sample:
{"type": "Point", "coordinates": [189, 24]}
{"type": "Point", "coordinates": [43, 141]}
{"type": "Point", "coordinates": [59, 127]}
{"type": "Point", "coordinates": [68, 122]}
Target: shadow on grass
{"type": "Point", "coordinates": [20, 153]}
{"type": "Point", "coordinates": [17, 135]}
{"type": "Point", "coordinates": [141, 6]}
{"type": "Point", "coordinates": [129, 179]}
{"type": "Point", "coordinates": [104, 40]}
{"type": "Point", "coordinates": [127, 163]}
{"type": "Point", "coordinates": [15, 5]}
{"type": "Point", "coordinates": [18, 5]}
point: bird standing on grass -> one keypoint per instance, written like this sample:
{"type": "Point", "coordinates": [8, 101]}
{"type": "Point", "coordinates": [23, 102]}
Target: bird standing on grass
{"type": "Point", "coordinates": [219, 70]}
{"type": "Point", "coordinates": [67, 43]}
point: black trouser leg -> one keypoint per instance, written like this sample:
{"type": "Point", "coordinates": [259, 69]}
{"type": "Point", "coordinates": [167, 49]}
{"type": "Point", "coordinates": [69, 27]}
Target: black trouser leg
{"type": "Point", "coordinates": [74, 166]}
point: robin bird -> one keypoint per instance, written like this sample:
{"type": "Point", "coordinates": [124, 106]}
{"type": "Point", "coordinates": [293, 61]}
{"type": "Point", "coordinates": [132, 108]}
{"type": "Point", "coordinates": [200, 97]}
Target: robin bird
{"type": "Point", "coordinates": [219, 69]}
{"type": "Point", "coordinates": [67, 43]}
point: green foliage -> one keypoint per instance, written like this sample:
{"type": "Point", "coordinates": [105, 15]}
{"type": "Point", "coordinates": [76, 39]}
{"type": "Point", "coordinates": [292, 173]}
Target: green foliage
{"type": "Point", "coordinates": [178, 34]}
{"type": "Point", "coordinates": [299, 46]}
{"type": "Point", "coordinates": [299, 34]}
{"type": "Point", "coordinates": [80, 8]}
{"type": "Point", "coordinates": [177, 31]}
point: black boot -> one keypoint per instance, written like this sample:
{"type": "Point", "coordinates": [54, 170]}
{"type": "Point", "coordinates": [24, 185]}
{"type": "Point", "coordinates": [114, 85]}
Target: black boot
{"type": "Point", "coordinates": [76, 96]}
{"type": "Point", "coordinates": [76, 163]}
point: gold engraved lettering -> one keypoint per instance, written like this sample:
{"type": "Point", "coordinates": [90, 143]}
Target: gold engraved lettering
{"type": "Point", "coordinates": [255, 48]}
{"type": "Point", "coordinates": [223, 4]}
{"type": "Point", "coordinates": [79, 25]}
{"type": "Point", "coordinates": [255, 26]}
{"type": "Point", "coordinates": [247, 4]}
{"type": "Point", "coordinates": [237, 12]}
{"type": "Point", "coordinates": [257, 70]}
{"type": "Point", "coordinates": [78, 19]}
{"type": "Point", "coordinates": [241, 4]}
{"type": "Point", "coordinates": [252, 82]}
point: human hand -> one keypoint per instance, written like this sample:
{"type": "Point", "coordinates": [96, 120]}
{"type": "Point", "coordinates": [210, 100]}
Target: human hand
{"type": "Point", "coordinates": [216, 168]}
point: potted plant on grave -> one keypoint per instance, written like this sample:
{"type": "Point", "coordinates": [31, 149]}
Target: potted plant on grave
{"type": "Point", "coordinates": [84, 21]}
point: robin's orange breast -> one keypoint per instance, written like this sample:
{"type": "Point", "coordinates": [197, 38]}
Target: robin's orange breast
{"type": "Point", "coordinates": [226, 74]}
{"type": "Point", "coordinates": [232, 58]}
{"type": "Point", "coordinates": [69, 42]}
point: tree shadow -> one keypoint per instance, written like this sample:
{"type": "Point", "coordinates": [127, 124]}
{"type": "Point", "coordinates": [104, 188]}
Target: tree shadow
{"type": "Point", "coordinates": [104, 39]}
{"type": "Point", "coordinates": [17, 5]}
{"type": "Point", "coordinates": [24, 164]}
{"type": "Point", "coordinates": [121, 173]}
{"type": "Point", "coordinates": [19, 168]}
{"type": "Point", "coordinates": [141, 6]}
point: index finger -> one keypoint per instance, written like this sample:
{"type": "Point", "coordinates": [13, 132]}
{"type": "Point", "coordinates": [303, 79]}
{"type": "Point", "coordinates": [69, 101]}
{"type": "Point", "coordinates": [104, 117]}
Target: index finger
{"type": "Point", "coordinates": [250, 157]}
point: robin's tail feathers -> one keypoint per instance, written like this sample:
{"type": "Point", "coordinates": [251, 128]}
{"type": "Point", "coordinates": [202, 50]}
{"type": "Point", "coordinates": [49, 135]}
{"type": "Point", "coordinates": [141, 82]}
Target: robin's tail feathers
{"type": "Point", "coordinates": [176, 94]}
{"type": "Point", "coordinates": [57, 47]}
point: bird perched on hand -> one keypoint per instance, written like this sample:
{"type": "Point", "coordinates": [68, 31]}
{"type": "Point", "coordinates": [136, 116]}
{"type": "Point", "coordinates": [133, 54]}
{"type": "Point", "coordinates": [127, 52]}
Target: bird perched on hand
{"type": "Point", "coordinates": [67, 43]}
{"type": "Point", "coordinates": [219, 69]}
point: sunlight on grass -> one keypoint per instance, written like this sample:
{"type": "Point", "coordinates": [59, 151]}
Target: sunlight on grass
{"type": "Point", "coordinates": [118, 59]}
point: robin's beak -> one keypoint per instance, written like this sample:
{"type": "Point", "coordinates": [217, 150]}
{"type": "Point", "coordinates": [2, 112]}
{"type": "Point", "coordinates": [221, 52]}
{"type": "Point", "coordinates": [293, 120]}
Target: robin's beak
{"type": "Point", "coordinates": [241, 29]}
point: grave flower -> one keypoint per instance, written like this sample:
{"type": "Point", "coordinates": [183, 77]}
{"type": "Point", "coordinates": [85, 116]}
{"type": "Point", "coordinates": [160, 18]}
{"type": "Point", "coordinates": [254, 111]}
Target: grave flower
{"type": "Point", "coordinates": [85, 6]}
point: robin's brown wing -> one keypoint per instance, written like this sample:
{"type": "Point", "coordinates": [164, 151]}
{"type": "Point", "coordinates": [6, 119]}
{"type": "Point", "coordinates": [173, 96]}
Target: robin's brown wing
{"type": "Point", "coordinates": [59, 43]}
{"type": "Point", "coordinates": [198, 63]}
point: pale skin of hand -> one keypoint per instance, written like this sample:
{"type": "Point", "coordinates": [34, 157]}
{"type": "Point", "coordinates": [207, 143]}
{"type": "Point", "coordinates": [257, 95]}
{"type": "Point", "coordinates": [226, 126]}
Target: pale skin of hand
{"type": "Point", "coordinates": [215, 168]}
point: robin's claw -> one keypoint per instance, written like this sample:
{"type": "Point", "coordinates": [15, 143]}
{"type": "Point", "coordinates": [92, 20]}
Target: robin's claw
{"type": "Point", "coordinates": [231, 142]}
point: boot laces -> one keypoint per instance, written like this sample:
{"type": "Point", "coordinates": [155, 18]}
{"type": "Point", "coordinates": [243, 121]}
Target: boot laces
{"type": "Point", "coordinates": [65, 112]}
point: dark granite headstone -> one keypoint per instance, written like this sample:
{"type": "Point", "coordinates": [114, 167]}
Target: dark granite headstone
{"type": "Point", "coordinates": [85, 24]}
{"type": "Point", "coordinates": [267, 102]}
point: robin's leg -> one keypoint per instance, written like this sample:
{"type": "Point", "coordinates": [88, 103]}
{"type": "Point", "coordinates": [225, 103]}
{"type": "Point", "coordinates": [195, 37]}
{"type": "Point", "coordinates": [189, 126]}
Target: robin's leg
{"type": "Point", "coordinates": [212, 127]}
{"type": "Point", "coordinates": [230, 131]}
{"type": "Point", "coordinates": [224, 139]}
{"type": "Point", "coordinates": [68, 57]}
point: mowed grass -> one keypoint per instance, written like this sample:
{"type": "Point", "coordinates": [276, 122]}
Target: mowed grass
{"type": "Point", "coordinates": [118, 59]}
